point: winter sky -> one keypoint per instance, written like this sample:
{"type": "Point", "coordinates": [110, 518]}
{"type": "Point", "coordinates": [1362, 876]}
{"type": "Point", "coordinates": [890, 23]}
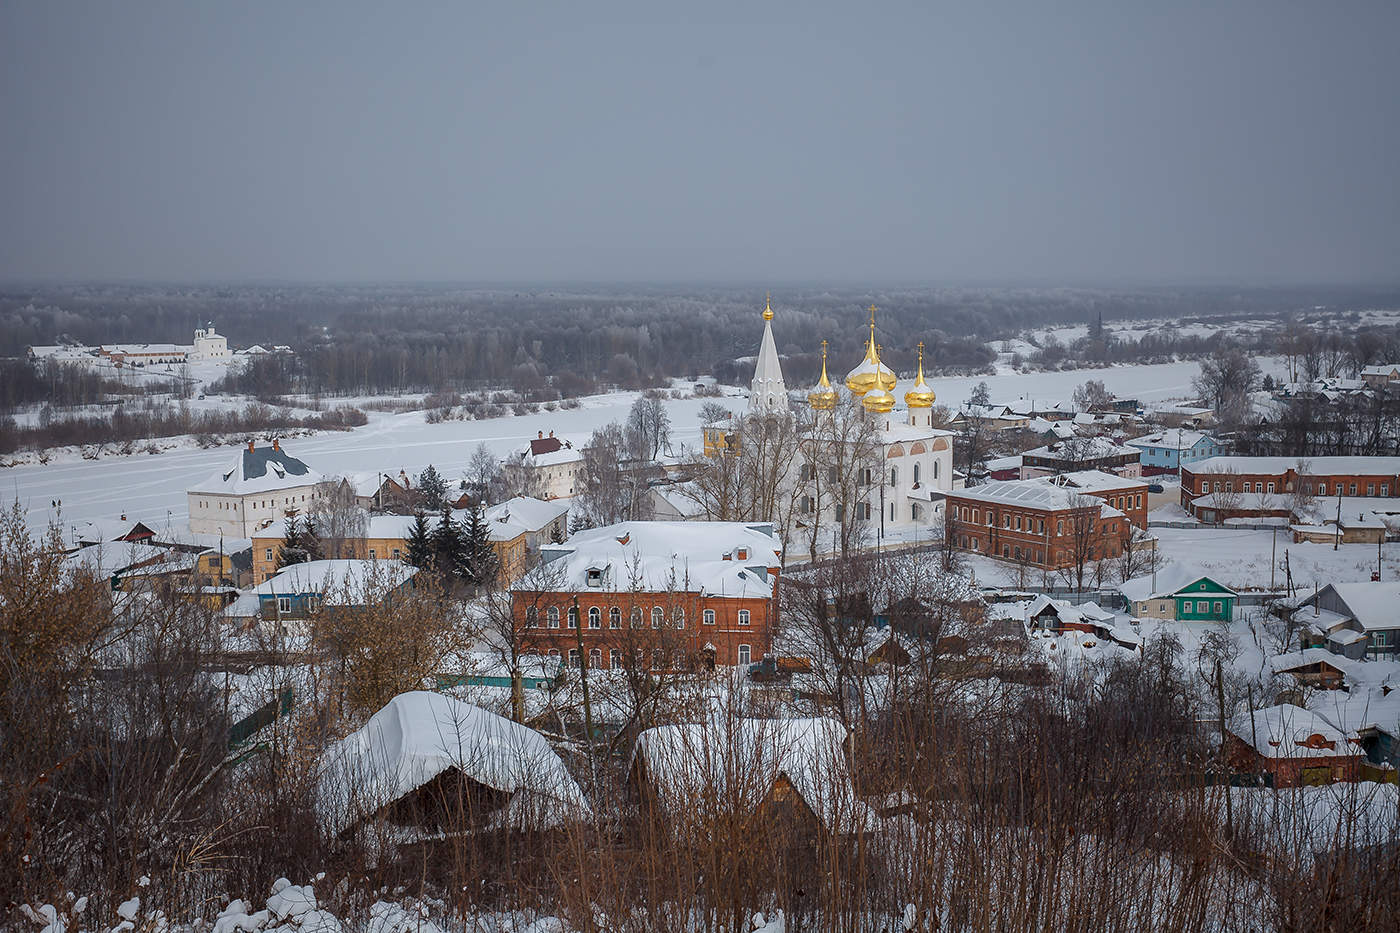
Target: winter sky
{"type": "Point", "coordinates": [970, 142]}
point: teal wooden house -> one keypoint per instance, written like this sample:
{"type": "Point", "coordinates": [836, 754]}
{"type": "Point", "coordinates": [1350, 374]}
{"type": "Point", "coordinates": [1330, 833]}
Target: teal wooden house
{"type": "Point", "coordinates": [1181, 594]}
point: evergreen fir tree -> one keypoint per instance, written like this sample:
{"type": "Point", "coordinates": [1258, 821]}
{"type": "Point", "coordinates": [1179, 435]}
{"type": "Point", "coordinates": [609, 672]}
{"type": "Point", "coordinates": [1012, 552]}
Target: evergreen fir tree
{"type": "Point", "coordinates": [420, 543]}
{"type": "Point", "coordinates": [481, 562]}
{"type": "Point", "coordinates": [311, 540]}
{"type": "Point", "coordinates": [431, 487]}
{"type": "Point", "coordinates": [449, 547]}
{"type": "Point", "coordinates": [292, 550]}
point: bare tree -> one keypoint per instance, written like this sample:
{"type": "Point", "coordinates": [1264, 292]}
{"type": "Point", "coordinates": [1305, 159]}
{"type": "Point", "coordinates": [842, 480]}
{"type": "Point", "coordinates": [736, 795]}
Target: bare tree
{"type": "Point", "coordinates": [483, 474]}
{"type": "Point", "coordinates": [1092, 395]}
{"type": "Point", "coordinates": [648, 430]}
{"type": "Point", "coordinates": [340, 523]}
{"type": "Point", "coordinates": [615, 488]}
{"type": "Point", "coordinates": [1084, 545]}
{"type": "Point", "coordinates": [1226, 379]}
{"type": "Point", "coordinates": [839, 470]}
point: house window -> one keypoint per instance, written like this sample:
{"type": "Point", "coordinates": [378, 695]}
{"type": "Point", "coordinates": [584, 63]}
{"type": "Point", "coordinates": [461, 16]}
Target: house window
{"type": "Point", "coordinates": [678, 617]}
{"type": "Point", "coordinates": [284, 604]}
{"type": "Point", "coordinates": [1201, 606]}
{"type": "Point", "coordinates": [1385, 489]}
{"type": "Point", "coordinates": [268, 554]}
{"type": "Point", "coordinates": [658, 615]}
{"type": "Point", "coordinates": [595, 617]}
{"type": "Point", "coordinates": [1381, 638]}
{"type": "Point", "coordinates": [395, 553]}
{"type": "Point", "coordinates": [615, 659]}
{"type": "Point", "coordinates": [1217, 607]}
{"type": "Point", "coordinates": [636, 617]}
{"type": "Point", "coordinates": [1018, 523]}
{"type": "Point", "coordinates": [573, 617]}
{"type": "Point", "coordinates": [991, 519]}
{"type": "Point", "coordinates": [552, 616]}
{"type": "Point", "coordinates": [532, 617]}
{"type": "Point", "coordinates": [743, 617]}
{"type": "Point", "coordinates": [595, 578]}
{"type": "Point", "coordinates": [745, 655]}
{"type": "Point", "coordinates": [658, 659]}
{"type": "Point", "coordinates": [1322, 489]}
{"type": "Point", "coordinates": [708, 617]}
{"type": "Point", "coordinates": [1370, 489]}
{"type": "Point", "coordinates": [935, 469]}
{"type": "Point", "coordinates": [371, 553]}
{"type": "Point", "coordinates": [1060, 527]}
{"type": "Point", "coordinates": [809, 505]}
{"type": "Point", "coordinates": [891, 511]}
{"type": "Point", "coordinates": [595, 658]}
{"type": "Point", "coordinates": [574, 657]}
{"type": "Point", "coordinates": [916, 474]}
{"type": "Point", "coordinates": [894, 476]}
{"type": "Point", "coordinates": [1352, 489]}
{"type": "Point", "coordinates": [614, 617]}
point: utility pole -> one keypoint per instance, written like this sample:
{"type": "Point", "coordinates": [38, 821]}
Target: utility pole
{"type": "Point", "coordinates": [583, 680]}
{"type": "Point", "coordinates": [1273, 558]}
{"type": "Point", "coordinates": [1337, 535]}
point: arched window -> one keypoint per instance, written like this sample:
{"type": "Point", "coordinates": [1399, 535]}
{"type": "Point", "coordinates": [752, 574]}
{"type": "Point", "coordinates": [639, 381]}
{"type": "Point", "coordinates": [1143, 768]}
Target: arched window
{"type": "Point", "coordinates": [935, 469]}
{"type": "Point", "coordinates": [615, 659]}
{"type": "Point", "coordinates": [575, 659]}
{"type": "Point", "coordinates": [678, 617]}
{"type": "Point", "coordinates": [595, 617]}
{"type": "Point", "coordinates": [916, 474]}
{"type": "Point", "coordinates": [636, 616]}
{"type": "Point", "coordinates": [745, 655]}
{"type": "Point", "coordinates": [743, 617]}
{"type": "Point", "coordinates": [532, 617]}
{"type": "Point", "coordinates": [708, 617]}
{"type": "Point", "coordinates": [658, 615]}
{"type": "Point", "coordinates": [595, 658]}
{"type": "Point", "coordinates": [573, 617]}
{"type": "Point", "coordinates": [552, 616]}
{"type": "Point", "coordinates": [894, 476]}
{"type": "Point", "coordinates": [658, 659]}
{"type": "Point", "coordinates": [614, 617]}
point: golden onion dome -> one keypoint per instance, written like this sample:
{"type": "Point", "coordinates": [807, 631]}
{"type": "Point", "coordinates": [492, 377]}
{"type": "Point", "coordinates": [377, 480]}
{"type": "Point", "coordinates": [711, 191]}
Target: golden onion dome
{"type": "Point", "coordinates": [921, 396]}
{"type": "Point", "coordinates": [878, 400]}
{"type": "Point", "coordinates": [768, 308]}
{"type": "Point", "coordinates": [871, 372]}
{"type": "Point", "coordinates": [823, 397]}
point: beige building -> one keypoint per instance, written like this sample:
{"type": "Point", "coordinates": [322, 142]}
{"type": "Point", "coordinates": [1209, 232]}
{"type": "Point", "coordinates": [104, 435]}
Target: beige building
{"type": "Point", "coordinates": [550, 468]}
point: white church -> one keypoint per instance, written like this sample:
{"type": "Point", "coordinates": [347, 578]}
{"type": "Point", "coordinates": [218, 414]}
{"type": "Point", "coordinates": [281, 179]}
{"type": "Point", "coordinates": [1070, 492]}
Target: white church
{"type": "Point", "coordinates": [908, 496]}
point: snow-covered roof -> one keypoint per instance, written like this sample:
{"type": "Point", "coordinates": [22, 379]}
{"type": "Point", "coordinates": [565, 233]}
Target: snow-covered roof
{"type": "Point", "coordinates": [1243, 501]}
{"type": "Point", "coordinates": [1097, 481]}
{"type": "Point", "coordinates": [342, 580]}
{"type": "Point", "coordinates": [1004, 463]}
{"type": "Point", "coordinates": [1089, 448]}
{"type": "Point", "coordinates": [418, 736]}
{"type": "Point", "coordinates": [530, 513]}
{"type": "Point", "coordinates": [1358, 709]}
{"type": "Point", "coordinates": [902, 432]}
{"type": "Point", "coordinates": [110, 557]}
{"type": "Point", "coordinates": [1374, 605]}
{"type": "Point", "coordinates": [1288, 731]}
{"type": "Point", "coordinates": [682, 497]}
{"type": "Point", "coordinates": [1385, 369]}
{"type": "Point", "coordinates": [1168, 582]}
{"type": "Point", "coordinates": [1315, 466]}
{"type": "Point", "coordinates": [1039, 493]}
{"type": "Point", "coordinates": [697, 765]}
{"type": "Point", "coordinates": [261, 469]}
{"type": "Point", "coordinates": [1171, 440]}
{"type": "Point", "coordinates": [1089, 613]}
{"type": "Point", "coordinates": [690, 557]}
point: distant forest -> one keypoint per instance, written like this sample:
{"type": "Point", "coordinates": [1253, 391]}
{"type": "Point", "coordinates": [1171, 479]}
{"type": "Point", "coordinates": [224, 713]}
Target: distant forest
{"type": "Point", "coordinates": [352, 340]}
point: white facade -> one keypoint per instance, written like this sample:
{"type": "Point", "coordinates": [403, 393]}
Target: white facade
{"type": "Point", "coordinates": [208, 345]}
{"type": "Point", "coordinates": [262, 486]}
{"type": "Point", "coordinates": [549, 467]}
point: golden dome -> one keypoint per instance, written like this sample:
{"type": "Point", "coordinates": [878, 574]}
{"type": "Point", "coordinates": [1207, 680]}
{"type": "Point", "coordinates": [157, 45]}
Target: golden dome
{"type": "Point", "coordinates": [921, 396]}
{"type": "Point", "coordinates": [823, 397]}
{"type": "Point", "coordinates": [768, 308]}
{"type": "Point", "coordinates": [878, 400]}
{"type": "Point", "coordinates": [871, 371]}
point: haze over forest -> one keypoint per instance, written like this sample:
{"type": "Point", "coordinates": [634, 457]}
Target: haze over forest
{"type": "Point", "coordinates": [1248, 142]}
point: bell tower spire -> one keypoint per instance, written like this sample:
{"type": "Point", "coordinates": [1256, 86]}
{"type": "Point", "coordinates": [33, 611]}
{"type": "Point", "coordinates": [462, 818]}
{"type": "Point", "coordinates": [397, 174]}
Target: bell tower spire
{"type": "Point", "coordinates": [767, 392]}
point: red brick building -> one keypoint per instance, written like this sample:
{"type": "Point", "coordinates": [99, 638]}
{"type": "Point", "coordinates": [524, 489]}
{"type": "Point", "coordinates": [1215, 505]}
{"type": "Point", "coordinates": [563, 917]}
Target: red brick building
{"type": "Point", "coordinates": [1295, 745]}
{"type": "Point", "coordinates": [674, 595]}
{"type": "Point", "coordinates": [1254, 487]}
{"type": "Point", "coordinates": [1048, 522]}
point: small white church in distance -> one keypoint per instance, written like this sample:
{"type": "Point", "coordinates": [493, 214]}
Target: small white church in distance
{"type": "Point", "coordinates": [917, 458]}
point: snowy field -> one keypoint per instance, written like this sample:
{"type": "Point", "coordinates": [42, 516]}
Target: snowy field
{"type": "Point", "coordinates": [152, 487]}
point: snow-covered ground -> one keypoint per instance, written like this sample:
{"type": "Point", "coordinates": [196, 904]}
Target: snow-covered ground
{"type": "Point", "coordinates": [152, 487]}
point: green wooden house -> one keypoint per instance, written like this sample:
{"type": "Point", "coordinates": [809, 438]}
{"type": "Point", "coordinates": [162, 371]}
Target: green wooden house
{"type": "Point", "coordinates": [1181, 594]}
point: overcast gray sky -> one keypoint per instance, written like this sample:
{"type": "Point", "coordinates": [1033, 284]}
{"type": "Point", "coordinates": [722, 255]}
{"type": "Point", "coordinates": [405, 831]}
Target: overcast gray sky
{"type": "Point", "coordinates": [940, 142]}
